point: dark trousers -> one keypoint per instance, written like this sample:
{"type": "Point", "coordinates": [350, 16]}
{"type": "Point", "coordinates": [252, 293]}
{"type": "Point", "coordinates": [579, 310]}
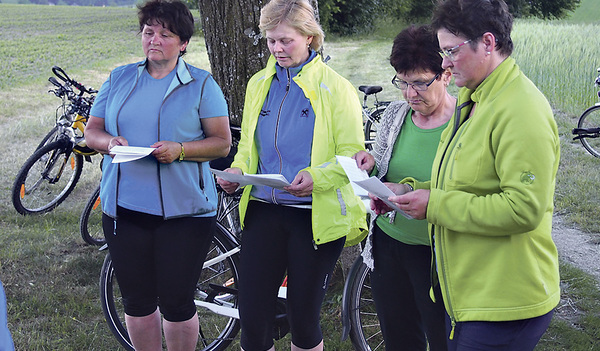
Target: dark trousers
{"type": "Point", "coordinates": [157, 261]}
{"type": "Point", "coordinates": [519, 335]}
{"type": "Point", "coordinates": [277, 239]}
{"type": "Point", "coordinates": [401, 282]}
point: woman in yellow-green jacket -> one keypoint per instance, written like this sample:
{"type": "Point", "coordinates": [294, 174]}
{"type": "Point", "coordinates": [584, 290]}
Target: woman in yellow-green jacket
{"type": "Point", "coordinates": [490, 199]}
{"type": "Point", "coordinates": [298, 115]}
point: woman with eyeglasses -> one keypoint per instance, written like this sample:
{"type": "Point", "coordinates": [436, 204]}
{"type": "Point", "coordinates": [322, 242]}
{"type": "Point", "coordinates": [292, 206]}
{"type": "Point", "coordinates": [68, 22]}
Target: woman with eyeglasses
{"type": "Point", "coordinates": [490, 199]}
{"type": "Point", "coordinates": [398, 250]}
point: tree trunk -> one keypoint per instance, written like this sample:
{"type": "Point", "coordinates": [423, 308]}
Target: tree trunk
{"type": "Point", "coordinates": [234, 48]}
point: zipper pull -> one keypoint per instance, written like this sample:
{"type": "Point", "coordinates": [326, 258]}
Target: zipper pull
{"type": "Point", "coordinates": [115, 227]}
{"type": "Point", "coordinates": [314, 244]}
{"type": "Point", "coordinates": [453, 323]}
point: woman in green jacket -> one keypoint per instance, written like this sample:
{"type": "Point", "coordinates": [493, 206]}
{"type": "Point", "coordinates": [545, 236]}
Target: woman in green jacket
{"type": "Point", "coordinates": [490, 199]}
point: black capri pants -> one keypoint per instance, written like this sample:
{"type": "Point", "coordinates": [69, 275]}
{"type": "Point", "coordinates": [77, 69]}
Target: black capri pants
{"type": "Point", "coordinates": [277, 239]}
{"type": "Point", "coordinates": [158, 262]}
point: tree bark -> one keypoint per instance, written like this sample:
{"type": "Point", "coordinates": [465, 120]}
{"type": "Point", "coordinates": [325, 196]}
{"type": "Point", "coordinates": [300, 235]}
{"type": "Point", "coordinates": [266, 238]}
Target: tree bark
{"type": "Point", "coordinates": [234, 48]}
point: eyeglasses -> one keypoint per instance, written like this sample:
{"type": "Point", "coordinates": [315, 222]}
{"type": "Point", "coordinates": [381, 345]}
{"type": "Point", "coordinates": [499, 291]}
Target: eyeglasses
{"type": "Point", "coordinates": [418, 86]}
{"type": "Point", "coordinates": [449, 53]}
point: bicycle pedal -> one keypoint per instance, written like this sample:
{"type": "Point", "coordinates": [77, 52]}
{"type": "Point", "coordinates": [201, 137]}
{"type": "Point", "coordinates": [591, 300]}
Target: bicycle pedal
{"type": "Point", "coordinates": [223, 289]}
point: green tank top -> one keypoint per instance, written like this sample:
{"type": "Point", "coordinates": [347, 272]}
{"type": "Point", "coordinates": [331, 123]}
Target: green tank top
{"type": "Point", "coordinates": [412, 156]}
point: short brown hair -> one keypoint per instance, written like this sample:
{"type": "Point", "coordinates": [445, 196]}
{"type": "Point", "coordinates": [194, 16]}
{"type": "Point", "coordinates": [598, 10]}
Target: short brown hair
{"type": "Point", "coordinates": [172, 14]}
{"type": "Point", "coordinates": [416, 48]}
{"type": "Point", "coordinates": [473, 18]}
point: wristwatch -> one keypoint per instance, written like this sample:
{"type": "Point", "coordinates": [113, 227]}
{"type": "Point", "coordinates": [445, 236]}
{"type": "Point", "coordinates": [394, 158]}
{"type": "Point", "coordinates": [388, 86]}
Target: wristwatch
{"type": "Point", "coordinates": [182, 154]}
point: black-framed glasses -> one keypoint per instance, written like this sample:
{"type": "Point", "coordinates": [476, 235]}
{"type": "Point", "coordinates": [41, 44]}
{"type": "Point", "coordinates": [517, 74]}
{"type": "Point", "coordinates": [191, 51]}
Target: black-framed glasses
{"type": "Point", "coordinates": [418, 86]}
{"type": "Point", "coordinates": [449, 53]}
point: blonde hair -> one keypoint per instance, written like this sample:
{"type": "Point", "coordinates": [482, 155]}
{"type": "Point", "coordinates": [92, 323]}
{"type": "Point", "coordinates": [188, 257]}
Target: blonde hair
{"type": "Point", "coordinates": [298, 14]}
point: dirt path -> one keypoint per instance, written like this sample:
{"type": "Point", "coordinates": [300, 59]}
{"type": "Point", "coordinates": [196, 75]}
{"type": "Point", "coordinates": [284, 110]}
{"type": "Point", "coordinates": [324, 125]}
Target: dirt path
{"type": "Point", "coordinates": [576, 247]}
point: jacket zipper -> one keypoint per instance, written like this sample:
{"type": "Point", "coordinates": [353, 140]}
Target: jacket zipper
{"type": "Point", "coordinates": [437, 252]}
{"type": "Point", "coordinates": [118, 165]}
{"type": "Point", "coordinates": [287, 90]}
{"type": "Point", "coordinates": [162, 202]}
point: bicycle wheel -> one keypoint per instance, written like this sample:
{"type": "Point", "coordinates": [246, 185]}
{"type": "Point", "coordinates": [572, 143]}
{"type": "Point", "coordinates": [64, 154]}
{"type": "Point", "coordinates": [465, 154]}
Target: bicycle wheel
{"type": "Point", "coordinates": [50, 137]}
{"type": "Point", "coordinates": [217, 286]}
{"type": "Point", "coordinates": [47, 178]}
{"type": "Point", "coordinates": [371, 126]}
{"type": "Point", "coordinates": [365, 332]}
{"type": "Point", "coordinates": [590, 119]}
{"type": "Point", "coordinates": [90, 221]}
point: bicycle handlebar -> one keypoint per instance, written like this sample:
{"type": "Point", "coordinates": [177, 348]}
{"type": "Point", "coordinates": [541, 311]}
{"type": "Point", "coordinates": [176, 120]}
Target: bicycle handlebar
{"type": "Point", "coordinates": [60, 73]}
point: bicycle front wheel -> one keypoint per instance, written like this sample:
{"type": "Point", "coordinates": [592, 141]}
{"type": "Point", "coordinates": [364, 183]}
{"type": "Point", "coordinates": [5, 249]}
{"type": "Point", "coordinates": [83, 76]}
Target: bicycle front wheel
{"type": "Point", "coordinates": [90, 221]}
{"type": "Point", "coordinates": [217, 287]}
{"type": "Point", "coordinates": [365, 332]}
{"type": "Point", "coordinates": [47, 178]}
{"type": "Point", "coordinates": [50, 137]}
{"type": "Point", "coordinates": [590, 119]}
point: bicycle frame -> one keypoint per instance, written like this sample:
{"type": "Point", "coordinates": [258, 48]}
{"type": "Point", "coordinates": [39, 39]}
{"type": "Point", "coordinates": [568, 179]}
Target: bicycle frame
{"type": "Point", "coordinates": [225, 308]}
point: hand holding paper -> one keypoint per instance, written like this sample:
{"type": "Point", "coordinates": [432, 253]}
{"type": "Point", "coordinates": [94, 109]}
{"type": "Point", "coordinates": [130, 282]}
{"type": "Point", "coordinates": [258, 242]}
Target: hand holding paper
{"type": "Point", "coordinates": [129, 153]}
{"type": "Point", "coordinates": [354, 174]}
{"type": "Point", "coordinates": [277, 181]}
{"type": "Point", "coordinates": [368, 185]}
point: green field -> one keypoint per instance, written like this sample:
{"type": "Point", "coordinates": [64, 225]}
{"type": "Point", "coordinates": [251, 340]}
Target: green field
{"type": "Point", "coordinates": [51, 276]}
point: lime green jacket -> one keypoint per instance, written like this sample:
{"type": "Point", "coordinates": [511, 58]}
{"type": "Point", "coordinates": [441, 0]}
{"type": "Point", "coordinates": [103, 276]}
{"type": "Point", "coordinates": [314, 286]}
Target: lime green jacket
{"type": "Point", "coordinates": [336, 211]}
{"type": "Point", "coordinates": [491, 203]}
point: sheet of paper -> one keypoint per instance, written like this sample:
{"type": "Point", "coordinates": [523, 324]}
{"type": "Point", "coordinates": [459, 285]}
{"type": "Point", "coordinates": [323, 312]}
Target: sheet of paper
{"type": "Point", "coordinates": [277, 181]}
{"type": "Point", "coordinates": [374, 186]}
{"type": "Point", "coordinates": [129, 153]}
{"type": "Point", "coordinates": [354, 174]}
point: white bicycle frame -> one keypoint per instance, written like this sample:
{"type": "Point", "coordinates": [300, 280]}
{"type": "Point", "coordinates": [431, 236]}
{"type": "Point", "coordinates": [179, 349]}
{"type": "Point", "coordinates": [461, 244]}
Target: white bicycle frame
{"type": "Point", "coordinates": [222, 306]}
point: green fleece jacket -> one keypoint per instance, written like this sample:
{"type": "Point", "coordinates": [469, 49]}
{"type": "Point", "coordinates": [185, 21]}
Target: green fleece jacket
{"type": "Point", "coordinates": [491, 203]}
{"type": "Point", "coordinates": [336, 210]}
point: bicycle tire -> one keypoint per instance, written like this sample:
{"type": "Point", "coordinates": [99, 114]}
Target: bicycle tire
{"type": "Point", "coordinates": [47, 178]}
{"type": "Point", "coordinates": [365, 332]}
{"type": "Point", "coordinates": [216, 331]}
{"type": "Point", "coordinates": [590, 119]}
{"type": "Point", "coordinates": [371, 125]}
{"type": "Point", "coordinates": [50, 137]}
{"type": "Point", "coordinates": [90, 221]}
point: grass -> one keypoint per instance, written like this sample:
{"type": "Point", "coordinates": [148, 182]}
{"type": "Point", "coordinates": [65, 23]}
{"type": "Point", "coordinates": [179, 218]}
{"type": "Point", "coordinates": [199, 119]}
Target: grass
{"type": "Point", "coordinates": [51, 276]}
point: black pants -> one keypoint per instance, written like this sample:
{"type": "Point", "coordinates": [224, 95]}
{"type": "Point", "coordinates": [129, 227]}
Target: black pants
{"type": "Point", "coordinates": [400, 281]}
{"type": "Point", "coordinates": [158, 262]}
{"type": "Point", "coordinates": [277, 239]}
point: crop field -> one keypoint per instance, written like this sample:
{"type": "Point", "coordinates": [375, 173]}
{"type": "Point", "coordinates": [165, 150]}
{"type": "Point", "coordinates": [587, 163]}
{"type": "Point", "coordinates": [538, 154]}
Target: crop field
{"type": "Point", "coordinates": [51, 276]}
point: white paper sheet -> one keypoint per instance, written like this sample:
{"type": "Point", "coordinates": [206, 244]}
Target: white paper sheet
{"type": "Point", "coordinates": [374, 186]}
{"type": "Point", "coordinates": [129, 153]}
{"type": "Point", "coordinates": [277, 181]}
{"type": "Point", "coordinates": [354, 174]}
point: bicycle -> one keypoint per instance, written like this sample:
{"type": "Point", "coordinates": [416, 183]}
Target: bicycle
{"type": "Point", "coordinates": [359, 317]}
{"type": "Point", "coordinates": [216, 291]}
{"type": "Point", "coordinates": [588, 127]}
{"type": "Point", "coordinates": [90, 221]}
{"type": "Point", "coordinates": [50, 174]}
{"type": "Point", "coordinates": [371, 115]}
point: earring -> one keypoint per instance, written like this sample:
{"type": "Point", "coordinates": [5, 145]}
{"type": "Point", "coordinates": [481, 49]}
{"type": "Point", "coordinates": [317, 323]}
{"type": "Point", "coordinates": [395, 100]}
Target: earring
{"type": "Point", "coordinates": [488, 53]}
